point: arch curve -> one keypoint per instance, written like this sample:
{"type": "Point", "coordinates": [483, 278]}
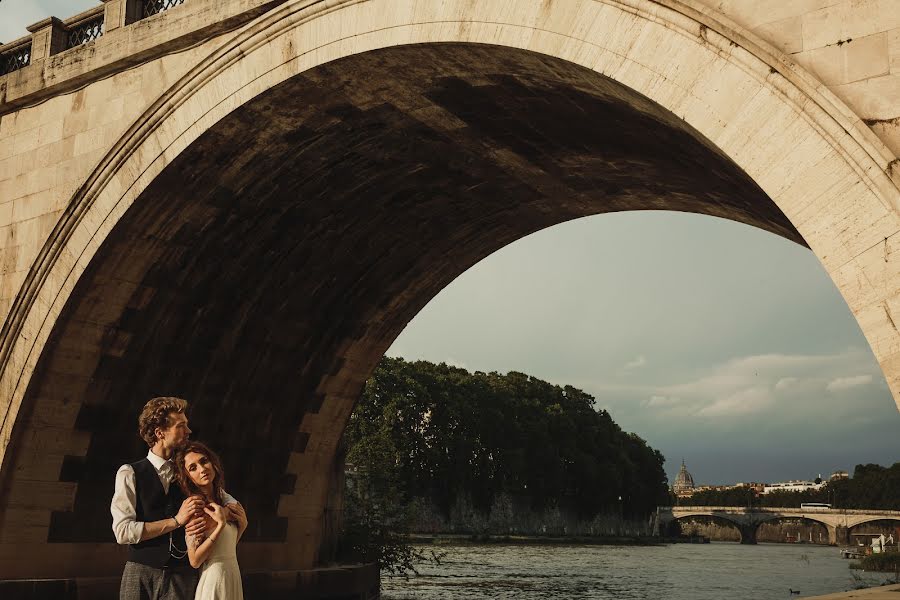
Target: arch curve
{"type": "Point", "coordinates": [744, 529]}
{"type": "Point", "coordinates": [863, 520]}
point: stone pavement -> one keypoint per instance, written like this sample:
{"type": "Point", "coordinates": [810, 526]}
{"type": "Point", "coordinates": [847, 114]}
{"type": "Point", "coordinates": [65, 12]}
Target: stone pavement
{"type": "Point", "coordinates": [888, 592]}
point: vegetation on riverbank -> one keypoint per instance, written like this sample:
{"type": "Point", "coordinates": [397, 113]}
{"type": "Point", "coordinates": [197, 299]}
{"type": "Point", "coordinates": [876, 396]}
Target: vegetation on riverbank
{"type": "Point", "coordinates": [447, 433]}
{"type": "Point", "coordinates": [885, 563]}
{"type": "Point", "coordinates": [431, 437]}
{"type": "Point", "coordinates": [542, 540]}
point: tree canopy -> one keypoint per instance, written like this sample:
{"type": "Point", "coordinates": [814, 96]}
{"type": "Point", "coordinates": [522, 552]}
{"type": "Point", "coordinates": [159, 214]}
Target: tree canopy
{"type": "Point", "coordinates": [444, 432]}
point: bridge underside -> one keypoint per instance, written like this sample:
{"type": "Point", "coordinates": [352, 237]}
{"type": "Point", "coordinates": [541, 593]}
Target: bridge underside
{"type": "Point", "coordinates": [264, 273]}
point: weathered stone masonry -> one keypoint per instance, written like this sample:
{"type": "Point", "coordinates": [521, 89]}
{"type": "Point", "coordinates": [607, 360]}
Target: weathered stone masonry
{"type": "Point", "coordinates": [244, 202]}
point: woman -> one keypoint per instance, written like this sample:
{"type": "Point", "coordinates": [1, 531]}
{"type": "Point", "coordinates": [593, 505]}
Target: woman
{"type": "Point", "coordinates": [199, 472]}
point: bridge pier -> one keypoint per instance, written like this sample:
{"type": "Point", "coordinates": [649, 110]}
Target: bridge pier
{"type": "Point", "coordinates": [748, 533]}
{"type": "Point", "coordinates": [839, 536]}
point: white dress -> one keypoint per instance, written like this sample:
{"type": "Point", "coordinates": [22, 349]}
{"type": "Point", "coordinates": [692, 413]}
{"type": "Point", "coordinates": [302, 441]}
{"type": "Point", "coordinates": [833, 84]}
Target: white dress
{"type": "Point", "coordinates": [220, 575]}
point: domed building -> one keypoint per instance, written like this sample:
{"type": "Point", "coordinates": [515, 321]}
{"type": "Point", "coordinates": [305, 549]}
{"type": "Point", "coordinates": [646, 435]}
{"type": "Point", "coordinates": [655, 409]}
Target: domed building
{"type": "Point", "coordinates": [684, 483]}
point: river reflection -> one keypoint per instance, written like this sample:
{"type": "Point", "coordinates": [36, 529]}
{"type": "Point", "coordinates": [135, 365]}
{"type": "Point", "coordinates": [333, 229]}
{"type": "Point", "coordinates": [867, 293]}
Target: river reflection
{"type": "Point", "coordinates": [677, 572]}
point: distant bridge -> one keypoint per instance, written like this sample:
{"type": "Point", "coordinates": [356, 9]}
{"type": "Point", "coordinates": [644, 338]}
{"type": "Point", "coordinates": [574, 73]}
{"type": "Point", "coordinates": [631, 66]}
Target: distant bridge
{"type": "Point", "coordinates": [838, 522]}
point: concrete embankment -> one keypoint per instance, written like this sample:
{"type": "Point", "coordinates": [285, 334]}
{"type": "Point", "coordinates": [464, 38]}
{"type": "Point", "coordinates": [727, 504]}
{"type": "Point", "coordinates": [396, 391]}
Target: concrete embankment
{"type": "Point", "coordinates": [888, 592]}
{"type": "Point", "coordinates": [542, 540]}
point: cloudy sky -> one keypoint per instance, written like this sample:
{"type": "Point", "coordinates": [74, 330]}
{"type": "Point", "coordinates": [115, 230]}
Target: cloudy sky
{"type": "Point", "coordinates": [16, 15]}
{"type": "Point", "coordinates": [718, 343]}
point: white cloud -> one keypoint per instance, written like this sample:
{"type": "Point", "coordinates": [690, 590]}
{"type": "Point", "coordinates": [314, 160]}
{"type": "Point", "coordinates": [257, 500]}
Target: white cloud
{"type": "Point", "coordinates": [741, 403]}
{"type": "Point", "coordinates": [660, 401]}
{"type": "Point", "coordinates": [453, 362]}
{"type": "Point", "coordinates": [785, 383]}
{"type": "Point", "coordinates": [729, 393]}
{"type": "Point", "coordinates": [638, 362]}
{"type": "Point", "coordinates": [845, 383]}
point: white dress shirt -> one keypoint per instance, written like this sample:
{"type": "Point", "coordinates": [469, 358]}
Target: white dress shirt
{"type": "Point", "coordinates": [126, 527]}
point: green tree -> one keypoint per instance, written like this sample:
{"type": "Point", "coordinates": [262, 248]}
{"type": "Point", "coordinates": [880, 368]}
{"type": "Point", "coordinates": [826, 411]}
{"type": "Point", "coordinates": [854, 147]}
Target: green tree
{"type": "Point", "coordinates": [446, 433]}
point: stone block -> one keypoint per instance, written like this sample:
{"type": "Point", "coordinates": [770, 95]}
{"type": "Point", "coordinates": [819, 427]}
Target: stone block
{"type": "Point", "coordinates": [826, 63]}
{"type": "Point", "coordinates": [48, 37]}
{"type": "Point", "coordinates": [118, 13]}
{"type": "Point", "coordinates": [894, 50]}
{"type": "Point", "coordinates": [786, 34]}
{"type": "Point", "coordinates": [75, 122]}
{"type": "Point", "coordinates": [874, 98]}
{"type": "Point", "coordinates": [43, 467]}
{"type": "Point", "coordinates": [48, 495]}
{"type": "Point", "coordinates": [6, 213]}
{"type": "Point", "coordinates": [888, 131]}
{"type": "Point", "coordinates": [866, 57]}
{"type": "Point", "coordinates": [760, 12]}
{"type": "Point", "coordinates": [32, 206]}
{"type": "Point", "coordinates": [867, 17]}
{"type": "Point", "coordinates": [823, 27]}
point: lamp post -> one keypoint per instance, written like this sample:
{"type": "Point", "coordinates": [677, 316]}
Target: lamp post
{"type": "Point", "coordinates": [621, 519]}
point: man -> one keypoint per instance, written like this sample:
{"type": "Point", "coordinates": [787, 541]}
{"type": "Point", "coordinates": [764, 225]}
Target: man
{"type": "Point", "coordinates": [150, 512]}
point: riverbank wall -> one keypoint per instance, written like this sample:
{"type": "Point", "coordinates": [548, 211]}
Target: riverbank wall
{"type": "Point", "coordinates": [511, 517]}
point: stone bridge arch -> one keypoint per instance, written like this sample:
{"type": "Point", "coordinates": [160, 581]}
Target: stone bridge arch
{"type": "Point", "coordinates": [786, 156]}
{"type": "Point", "coordinates": [856, 522]}
{"type": "Point", "coordinates": [844, 532]}
{"type": "Point", "coordinates": [744, 528]}
{"type": "Point", "coordinates": [829, 529]}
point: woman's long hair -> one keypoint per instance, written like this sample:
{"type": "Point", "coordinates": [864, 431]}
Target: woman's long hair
{"type": "Point", "coordinates": [184, 479]}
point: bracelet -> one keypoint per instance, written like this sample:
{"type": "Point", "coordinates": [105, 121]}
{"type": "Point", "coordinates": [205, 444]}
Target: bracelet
{"type": "Point", "coordinates": [177, 524]}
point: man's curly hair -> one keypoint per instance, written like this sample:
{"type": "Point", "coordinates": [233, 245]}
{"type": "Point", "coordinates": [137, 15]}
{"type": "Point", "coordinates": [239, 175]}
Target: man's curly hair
{"type": "Point", "coordinates": [156, 414]}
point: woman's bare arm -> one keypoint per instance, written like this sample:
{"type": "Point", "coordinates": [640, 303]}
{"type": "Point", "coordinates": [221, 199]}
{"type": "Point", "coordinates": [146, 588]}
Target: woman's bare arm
{"type": "Point", "coordinates": [198, 551]}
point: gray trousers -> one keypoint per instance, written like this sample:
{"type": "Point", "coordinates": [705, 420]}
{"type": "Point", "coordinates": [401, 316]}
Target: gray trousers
{"type": "Point", "coordinates": [140, 582]}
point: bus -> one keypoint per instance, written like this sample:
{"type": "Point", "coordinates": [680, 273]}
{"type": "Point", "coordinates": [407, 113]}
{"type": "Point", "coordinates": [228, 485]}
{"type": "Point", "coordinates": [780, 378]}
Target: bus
{"type": "Point", "coordinates": [815, 506]}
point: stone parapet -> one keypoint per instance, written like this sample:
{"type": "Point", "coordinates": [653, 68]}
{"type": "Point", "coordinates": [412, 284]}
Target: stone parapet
{"type": "Point", "coordinates": [129, 38]}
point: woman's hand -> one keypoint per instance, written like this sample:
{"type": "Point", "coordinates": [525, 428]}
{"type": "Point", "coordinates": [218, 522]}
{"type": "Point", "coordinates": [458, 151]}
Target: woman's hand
{"type": "Point", "coordinates": [217, 513]}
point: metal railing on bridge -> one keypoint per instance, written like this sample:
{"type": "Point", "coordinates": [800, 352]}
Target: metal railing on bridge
{"type": "Point", "coordinates": [15, 58]}
{"type": "Point", "coordinates": [85, 30]}
{"type": "Point", "coordinates": [153, 7]}
{"type": "Point", "coordinates": [74, 32]}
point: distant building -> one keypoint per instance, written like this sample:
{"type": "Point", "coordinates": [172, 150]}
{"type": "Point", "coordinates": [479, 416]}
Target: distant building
{"type": "Point", "coordinates": [756, 486]}
{"type": "Point", "coordinates": [792, 486]}
{"type": "Point", "coordinates": [710, 488]}
{"type": "Point", "coordinates": [839, 475]}
{"type": "Point", "coordinates": [684, 483]}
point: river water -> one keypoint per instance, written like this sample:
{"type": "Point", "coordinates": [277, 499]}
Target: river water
{"type": "Point", "coordinates": [674, 572]}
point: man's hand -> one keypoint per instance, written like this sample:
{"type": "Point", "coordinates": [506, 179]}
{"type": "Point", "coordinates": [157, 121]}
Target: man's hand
{"type": "Point", "coordinates": [217, 513]}
{"type": "Point", "coordinates": [196, 528]}
{"type": "Point", "coordinates": [238, 515]}
{"type": "Point", "coordinates": [190, 508]}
